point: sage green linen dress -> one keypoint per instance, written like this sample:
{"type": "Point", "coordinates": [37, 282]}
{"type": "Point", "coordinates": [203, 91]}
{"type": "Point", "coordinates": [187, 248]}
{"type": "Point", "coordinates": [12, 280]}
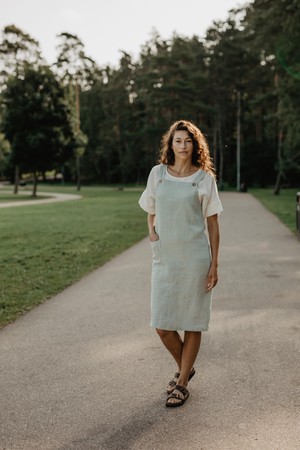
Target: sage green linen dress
{"type": "Point", "coordinates": [181, 256]}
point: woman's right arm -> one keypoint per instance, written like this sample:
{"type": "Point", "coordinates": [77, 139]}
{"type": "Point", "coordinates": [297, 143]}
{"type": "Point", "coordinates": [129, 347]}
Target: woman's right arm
{"type": "Point", "coordinates": [152, 234]}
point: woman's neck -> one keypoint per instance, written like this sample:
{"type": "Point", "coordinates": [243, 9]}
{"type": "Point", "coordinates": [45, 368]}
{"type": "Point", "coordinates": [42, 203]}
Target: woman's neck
{"type": "Point", "coordinates": [182, 168]}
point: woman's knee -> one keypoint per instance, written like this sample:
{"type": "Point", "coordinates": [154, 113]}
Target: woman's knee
{"type": "Point", "coordinates": [163, 333]}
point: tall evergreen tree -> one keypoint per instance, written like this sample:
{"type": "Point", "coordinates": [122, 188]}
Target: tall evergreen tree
{"type": "Point", "coordinates": [275, 25]}
{"type": "Point", "coordinates": [77, 71]}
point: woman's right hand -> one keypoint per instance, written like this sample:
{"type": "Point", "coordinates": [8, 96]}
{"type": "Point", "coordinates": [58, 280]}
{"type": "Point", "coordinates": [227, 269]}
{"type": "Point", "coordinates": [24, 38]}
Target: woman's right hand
{"type": "Point", "coordinates": [153, 236]}
{"type": "Point", "coordinates": [151, 227]}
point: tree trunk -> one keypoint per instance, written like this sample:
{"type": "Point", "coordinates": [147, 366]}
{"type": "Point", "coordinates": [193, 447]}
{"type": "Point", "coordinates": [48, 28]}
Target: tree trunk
{"type": "Point", "coordinates": [34, 184]}
{"type": "Point", "coordinates": [215, 144]}
{"type": "Point", "coordinates": [276, 190]}
{"type": "Point", "coordinates": [17, 177]}
{"type": "Point", "coordinates": [78, 176]}
{"type": "Point", "coordinates": [221, 150]}
{"type": "Point", "coordinates": [259, 124]}
{"type": "Point", "coordinates": [238, 142]}
{"type": "Point", "coordinates": [119, 146]}
{"type": "Point", "coordinates": [78, 172]}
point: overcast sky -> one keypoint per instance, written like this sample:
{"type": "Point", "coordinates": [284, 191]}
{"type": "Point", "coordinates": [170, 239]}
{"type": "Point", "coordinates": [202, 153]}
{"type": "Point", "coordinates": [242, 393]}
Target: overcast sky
{"type": "Point", "coordinates": [108, 26]}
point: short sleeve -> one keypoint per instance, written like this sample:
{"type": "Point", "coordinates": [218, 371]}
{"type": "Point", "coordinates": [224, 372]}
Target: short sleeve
{"type": "Point", "coordinates": [211, 203]}
{"type": "Point", "coordinates": [147, 199]}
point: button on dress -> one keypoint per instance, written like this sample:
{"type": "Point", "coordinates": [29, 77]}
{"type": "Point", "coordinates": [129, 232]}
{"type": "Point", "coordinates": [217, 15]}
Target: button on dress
{"type": "Point", "coordinates": [181, 257]}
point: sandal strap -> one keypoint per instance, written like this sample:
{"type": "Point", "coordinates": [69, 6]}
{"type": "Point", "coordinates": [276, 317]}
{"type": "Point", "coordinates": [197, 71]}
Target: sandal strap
{"type": "Point", "coordinates": [177, 396]}
{"type": "Point", "coordinates": [172, 382]}
{"type": "Point", "coordinates": [182, 389]}
{"type": "Point", "coordinates": [180, 397]}
{"type": "Point", "coordinates": [192, 373]}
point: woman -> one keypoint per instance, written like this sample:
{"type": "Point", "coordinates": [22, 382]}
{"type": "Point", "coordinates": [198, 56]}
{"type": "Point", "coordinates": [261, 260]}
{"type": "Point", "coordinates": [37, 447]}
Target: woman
{"type": "Point", "coordinates": [181, 193]}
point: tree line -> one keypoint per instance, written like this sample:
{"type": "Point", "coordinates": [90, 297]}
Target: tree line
{"type": "Point", "coordinates": [240, 84]}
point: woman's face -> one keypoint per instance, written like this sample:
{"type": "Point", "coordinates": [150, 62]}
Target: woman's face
{"type": "Point", "coordinates": [182, 145]}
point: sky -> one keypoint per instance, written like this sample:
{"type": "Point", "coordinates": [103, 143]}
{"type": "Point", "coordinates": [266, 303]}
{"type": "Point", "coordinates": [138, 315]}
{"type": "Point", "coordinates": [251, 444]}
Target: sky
{"type": "Point", "coordinates": [107, 26]}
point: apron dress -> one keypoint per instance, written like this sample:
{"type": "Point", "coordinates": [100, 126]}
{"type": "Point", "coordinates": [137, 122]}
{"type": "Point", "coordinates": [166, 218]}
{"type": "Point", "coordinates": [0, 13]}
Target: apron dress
{"type": "Point", "coordinates": [181, 258]}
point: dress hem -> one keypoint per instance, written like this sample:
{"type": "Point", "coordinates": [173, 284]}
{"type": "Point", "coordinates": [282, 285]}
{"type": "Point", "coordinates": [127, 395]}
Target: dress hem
{"type": "Point", "coordinates": [180, 328]}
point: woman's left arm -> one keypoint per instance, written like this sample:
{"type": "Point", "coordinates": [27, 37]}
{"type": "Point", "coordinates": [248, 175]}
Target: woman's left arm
{"type": "Point", "coordinates": [214, 239]}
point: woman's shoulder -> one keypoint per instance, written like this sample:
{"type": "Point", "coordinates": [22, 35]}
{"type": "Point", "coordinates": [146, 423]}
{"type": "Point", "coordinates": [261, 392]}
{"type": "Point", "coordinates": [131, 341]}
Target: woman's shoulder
{"type": "Point", "coordinates": [208, 177]}
{"type": "Point", "coordinates": [157, 168]}
{"type": "Point", "coordinates": [154, 175]}
{"type": "Point", "coordinates": [208, 183]}
{"type": "Point", "coordinates": [156, 171]}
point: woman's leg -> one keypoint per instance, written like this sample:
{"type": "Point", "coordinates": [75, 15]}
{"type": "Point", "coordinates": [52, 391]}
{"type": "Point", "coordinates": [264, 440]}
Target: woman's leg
{"type": "Point", "coordinates": [184, 353]}
{"type": "Point", "coordinates": [172, 341]}
{"type": "Point", "coordinates": [190, 349]}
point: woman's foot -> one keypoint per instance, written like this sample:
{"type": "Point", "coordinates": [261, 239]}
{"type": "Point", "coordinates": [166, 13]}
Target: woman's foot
{"type": "Point", "coordinates": [173, 382]}
{"type": "Point", "coordinates": [178, 397]}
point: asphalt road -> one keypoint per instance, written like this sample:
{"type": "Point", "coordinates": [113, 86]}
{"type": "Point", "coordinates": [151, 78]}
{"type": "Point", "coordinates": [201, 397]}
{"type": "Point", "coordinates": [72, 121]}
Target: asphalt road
{"type": "Point", "coordinates": [84, 370]}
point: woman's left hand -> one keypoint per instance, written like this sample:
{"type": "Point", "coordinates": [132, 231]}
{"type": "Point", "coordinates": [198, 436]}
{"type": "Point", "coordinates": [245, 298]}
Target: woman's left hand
{"type": "Point", "coordinates": [212, 278]}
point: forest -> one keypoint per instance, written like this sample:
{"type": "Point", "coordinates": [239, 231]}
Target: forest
{"type": "Point", "coordinates": [240, 84]}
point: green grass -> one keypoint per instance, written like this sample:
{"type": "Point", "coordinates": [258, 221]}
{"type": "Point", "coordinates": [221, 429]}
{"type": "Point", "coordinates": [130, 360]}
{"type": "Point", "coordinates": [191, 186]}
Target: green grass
{"type": "Point", "coordinates": [45, 248]}
{"type": "Point", "coordinates": [283, 205]}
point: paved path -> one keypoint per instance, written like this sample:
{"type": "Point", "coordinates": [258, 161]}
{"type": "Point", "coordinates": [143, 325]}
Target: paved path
{"type": "Point", "coordinates": [55, 198]}
{"type": "Point", "coordinates": [84, 370]}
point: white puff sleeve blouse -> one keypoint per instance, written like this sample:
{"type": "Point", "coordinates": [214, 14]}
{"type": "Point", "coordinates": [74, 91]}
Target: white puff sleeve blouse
{"type": "Point", "coordinates": [207, 189]}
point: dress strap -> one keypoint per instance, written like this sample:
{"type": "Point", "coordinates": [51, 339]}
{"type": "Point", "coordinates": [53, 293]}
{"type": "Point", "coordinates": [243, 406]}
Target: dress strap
{"type": "Point", "coordinates": [200, 176]}
{"type": "Point", "coordinates": [162, 172]}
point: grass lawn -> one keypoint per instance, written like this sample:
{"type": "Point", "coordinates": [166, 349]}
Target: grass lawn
{"type": "Point", "coordinates": [283, 205]}
{"type": "Point", "coordinates": [45, 248]}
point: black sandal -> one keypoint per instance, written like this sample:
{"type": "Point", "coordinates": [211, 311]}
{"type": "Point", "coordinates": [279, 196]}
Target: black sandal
{"type": "Point", "coordinates": [172, 383]}
{"type": "Point", "coordinates": [181, 400]}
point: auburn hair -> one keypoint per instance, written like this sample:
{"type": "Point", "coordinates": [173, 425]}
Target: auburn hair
{"type": "Point", "coordinates": [200, 158]}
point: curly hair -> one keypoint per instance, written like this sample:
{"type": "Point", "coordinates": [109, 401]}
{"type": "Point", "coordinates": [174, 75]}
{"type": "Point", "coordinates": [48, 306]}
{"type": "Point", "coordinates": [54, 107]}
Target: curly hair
{"type": "Point", "coordinates": [200, 157]}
